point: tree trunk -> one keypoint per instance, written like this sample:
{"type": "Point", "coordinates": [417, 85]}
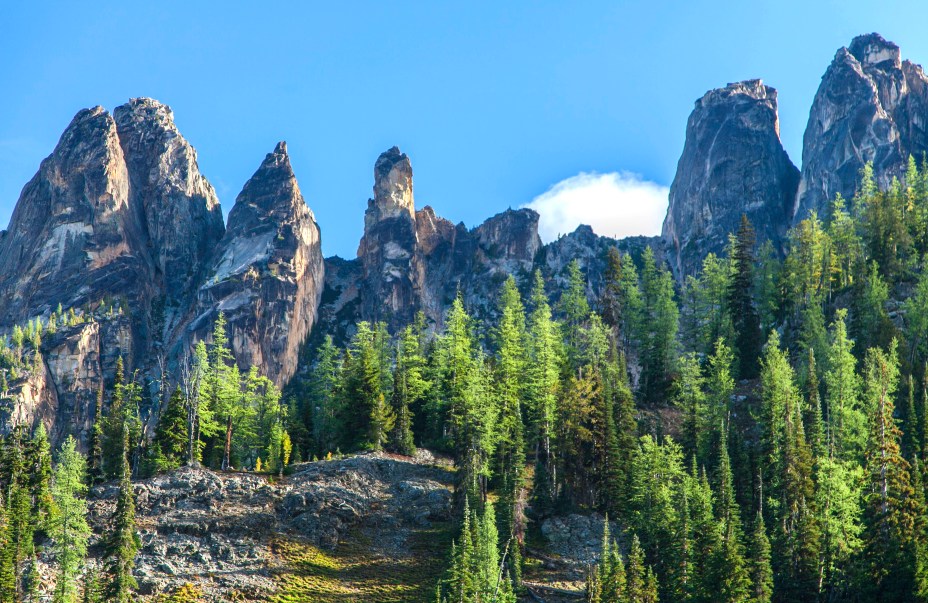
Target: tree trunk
{"type": "Point", "coordinates": [228, 449]}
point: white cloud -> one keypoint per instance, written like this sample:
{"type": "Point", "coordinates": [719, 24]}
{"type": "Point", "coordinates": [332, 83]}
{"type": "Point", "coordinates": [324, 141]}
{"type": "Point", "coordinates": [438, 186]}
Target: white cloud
{"type": "Point", "coordinates": [617, 204]}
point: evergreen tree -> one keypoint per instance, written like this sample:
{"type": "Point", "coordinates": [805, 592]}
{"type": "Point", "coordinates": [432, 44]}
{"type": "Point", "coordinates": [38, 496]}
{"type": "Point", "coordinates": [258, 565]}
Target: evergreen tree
{"type": "Point", "coordinates": [659, 328]}
{"type": "Point", "coordinates": [409, 388]}
{"type": "Point", "coordinates": [576, 311]}
{"type": "Point", "coordinates": [542, 387]}
{"type": "Point", "coordinates": [171, 433]}
{"type": "Point", "coordinates": [474, 574]}
{"type": "Point", "coordinates": [510, 389]}
{"type": "Point", "coordinates": [68, 528]}
{"type": "Point", "coordinates": [845, 419]}
{"type": "Point", "coordinates": [890, 504]}
{"type": "Point", "coordinates": [325, 402]}
{"type": "Point", "coordinates": [461, 395]}
{"type": "Point", "coordinates": [729, 571]}
{"type": "Point", "coordinates": [745, 319]}
{"type": "Point", "coordinates": [690, 397]}
{"type": "Point", "coordinates": [96, 473]}
{"type": "Point", "coordinates": [123, 542]}
{"type": "Point", "coordinates": [761, 572]}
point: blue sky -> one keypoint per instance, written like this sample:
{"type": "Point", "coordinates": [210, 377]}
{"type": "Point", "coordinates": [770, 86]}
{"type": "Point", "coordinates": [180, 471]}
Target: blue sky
{"type": "Point", "coordinates": [497, 103]}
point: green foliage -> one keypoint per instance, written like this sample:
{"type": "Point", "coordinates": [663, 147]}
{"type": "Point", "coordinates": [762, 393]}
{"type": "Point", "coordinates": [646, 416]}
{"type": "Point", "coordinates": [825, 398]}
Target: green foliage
{"type": "Point", "coordinates": [68, 526]}
{"type": "Point", "coordinates": [123, 542]}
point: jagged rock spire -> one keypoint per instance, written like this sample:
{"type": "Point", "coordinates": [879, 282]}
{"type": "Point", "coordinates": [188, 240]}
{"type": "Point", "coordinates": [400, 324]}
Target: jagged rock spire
{"type": "Point", "coordinates": [732, 164]}
{"type": "Point", "coordinates": [268, 273]}
{"type": "Point", "coordinates": [870, 106]}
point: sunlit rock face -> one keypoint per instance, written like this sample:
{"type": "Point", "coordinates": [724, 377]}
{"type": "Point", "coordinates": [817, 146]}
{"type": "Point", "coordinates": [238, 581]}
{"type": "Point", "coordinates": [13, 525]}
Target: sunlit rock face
{"type": "Point", "coordinates": [732, 164]}
{"type": "Point", "coordinates": [870, 106]}
{"type": "Point", "coordinates": [267, 276]}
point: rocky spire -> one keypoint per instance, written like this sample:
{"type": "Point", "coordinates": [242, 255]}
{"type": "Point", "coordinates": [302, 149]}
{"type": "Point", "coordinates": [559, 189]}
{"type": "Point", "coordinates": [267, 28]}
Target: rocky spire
{"type": "Point", "coordinates": [72, 226]}
{"type": "Point", "coordinates": [732, 164]}
{"type": "Point", "coordinates": [268, 273]}
{"type": "Point", "coordinates": [177, 205]}
{"type": "Point", "coordinates": [870, 106]}
{"type": "Point", "coordinates": [392, 188]}
{"type": "Point", "coordinates": [390, 245]}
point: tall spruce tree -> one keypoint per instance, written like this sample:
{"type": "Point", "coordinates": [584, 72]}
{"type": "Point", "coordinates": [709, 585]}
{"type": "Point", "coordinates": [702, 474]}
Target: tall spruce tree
{"type": "Point", "coordinates": [510, 388]}
{"type": "Point", "coordinates": [123, 542]}
{"type": "Point", "coordinates": [68, 527]}
{"type": "Point", "coordinates": [744, 315]}
{"type": "Point", "coordinates": [891, 511]}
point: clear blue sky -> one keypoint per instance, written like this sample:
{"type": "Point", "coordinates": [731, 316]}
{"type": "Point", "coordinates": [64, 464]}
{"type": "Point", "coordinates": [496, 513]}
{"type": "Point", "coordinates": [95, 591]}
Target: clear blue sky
{"type": "Point", "coordinates": [494, 101]}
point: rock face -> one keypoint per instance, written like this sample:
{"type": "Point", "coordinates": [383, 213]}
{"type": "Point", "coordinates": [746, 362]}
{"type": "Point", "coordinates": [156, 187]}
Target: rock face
{"type": "Point", "coordinates": [73, 237]}
{"type": "Point", "coordinates": [178, 206]}
{"type": "Point", "coordinates": [120, 226]}
{"type": "Point", "coordinates": [732, 164]}
{"type": "Point", "coordinates": [388, 248]}
{"type": "Point", "coordinates": [870, 106]}
{"type": "Point", "coordinates": [268, 273]}
{"type": "Point", "coordinates": [219, 531]}
{"type": "Point", "coordinates": [413, 260]}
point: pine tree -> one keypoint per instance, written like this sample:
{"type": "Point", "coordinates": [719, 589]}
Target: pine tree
{"type": "Point", "coordinates": [93, 589]}
{"type": "Point", "coordinates": [744, 316]}
{"type": "Point", "coordinates": [68, 528]}
{"type": "Point", "coordinates": [660, 325]}
{"type": "Point", "coordinates": [890, 510]}
{"type": "Point", "coordinates": [845, 420]}
{"type": "Point", "coordinates": [324, 398]}
{"type": "Point", "coordinates": [171, 433]}
{"type": "Point", "coordinates": [364, 407]}
{"type": "Point", "coordinates": [20, 526]}
{"type": "Point", "coordinates": [510, 389]}
{"type": "Point", "coordinates": [761, 572]}
{"type": "Point", "coordinates": [690, 397]}
{"type": "Point", "coordinates": [96, 473]}
{"type": "Point", "coordinates": [123, 543]}
{"type": "Point", "coordinates": [542, 386]}
{"type": "Point", "coordinates": [576, 311]}
{"type": "Point", "coordinates": [461, 401]}
{"type": "Point", "coordinates": [409, 388]}
{"type": "Point", "coordinates": [729, 571]}
{"type": "Point", "coordinates": [40, 478]}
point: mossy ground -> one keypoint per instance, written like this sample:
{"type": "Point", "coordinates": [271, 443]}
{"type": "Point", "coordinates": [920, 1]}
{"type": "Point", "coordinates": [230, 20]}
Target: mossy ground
{"type": "Point", "coordinates": [356, 572]}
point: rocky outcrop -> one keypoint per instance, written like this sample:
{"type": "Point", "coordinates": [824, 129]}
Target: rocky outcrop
{"type": "Point", "coordinates": [219, 531]}
{"type": "Point", "coordinates": [267, 277]}
{"type": "Point", "coordinates": [389, 245]}
{"type": "Point", "coordinates": [119, 217]}
{"type": "Point", "coordinates": [732, 164]}
{"type": "Point", "coordinates": [73, 238]}
{"type": "Point", "coordinates": [178, 206]}
{"type": "Point", "coordinates": [870, 106]}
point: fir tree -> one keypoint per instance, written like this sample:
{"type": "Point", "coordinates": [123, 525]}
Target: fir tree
{"type": "Point", "coordinates": [96, 473]}
{"type": "Point", "coordinates": [745, 319]}
{"type": "Point", "coordinates": [761, 572]}
{"type": "Point", "coordinates": [890, 508]}
{"type": "Point", "coordinates": [171, 433]}
{"type": "Point", "coordinates": [68, 528]}
{"type": "Point", "coordinates": [409, 388]}
{"type": "Point", "coordinates": [542, 388]}
{"type": "Point", "coordinates": [123, 542]}
{"type": "Point", "coordinates": [325, 401]}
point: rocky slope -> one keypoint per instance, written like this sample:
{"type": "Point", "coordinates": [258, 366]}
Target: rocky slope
{"type": "Point", "coordinates": [235, 536]}
{"type": "Point", "coordinates": [870, 106]}
{"type": "Point", "coordinates": [732, 164]}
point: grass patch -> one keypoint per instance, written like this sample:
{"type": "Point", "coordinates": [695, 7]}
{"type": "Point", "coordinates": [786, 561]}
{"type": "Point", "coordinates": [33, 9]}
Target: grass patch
{"type": "Point", "coordinates": [354, 572]}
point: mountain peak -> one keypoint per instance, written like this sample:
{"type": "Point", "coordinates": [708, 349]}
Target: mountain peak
{"type": "Point", "coordinates": [874, 49]}
{"type": "Point", "coordinates": [393, 192]}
